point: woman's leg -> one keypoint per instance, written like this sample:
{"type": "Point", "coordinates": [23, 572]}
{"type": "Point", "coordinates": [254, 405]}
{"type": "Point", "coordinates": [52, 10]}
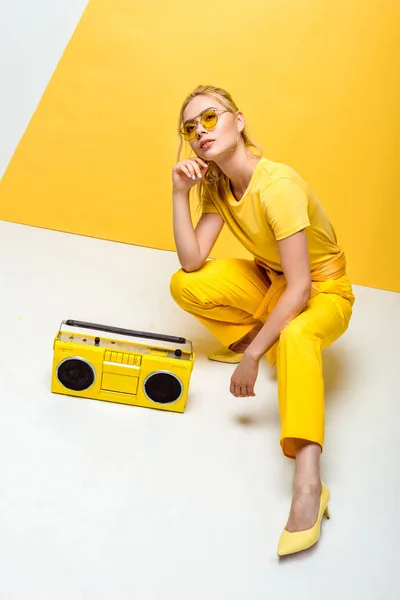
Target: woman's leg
{"type": "Point", "coordinates": [224, 295]}
{"type": "Point", "coordinates": [301, 397]}
{"type": "Point", "coordinates": [307, 487]}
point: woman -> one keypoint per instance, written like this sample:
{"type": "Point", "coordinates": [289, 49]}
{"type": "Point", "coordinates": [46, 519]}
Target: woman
{"type": "Point", "coordinates": [291, 301]}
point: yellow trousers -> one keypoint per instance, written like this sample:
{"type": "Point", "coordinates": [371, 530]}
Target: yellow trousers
{"type": "Point", "coordinates": [229, 297]}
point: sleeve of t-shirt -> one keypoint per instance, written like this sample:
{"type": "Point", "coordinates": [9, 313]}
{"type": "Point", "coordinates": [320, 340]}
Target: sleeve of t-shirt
{"type": "Point", "coordinates": [207, 204]}
{"type": "Point", "coordinates": [285, 208]}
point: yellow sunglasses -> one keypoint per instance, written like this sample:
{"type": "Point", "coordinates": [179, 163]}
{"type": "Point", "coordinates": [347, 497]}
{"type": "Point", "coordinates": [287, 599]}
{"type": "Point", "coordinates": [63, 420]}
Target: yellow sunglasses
{"type": "Point", "coordinates": [208, 118]}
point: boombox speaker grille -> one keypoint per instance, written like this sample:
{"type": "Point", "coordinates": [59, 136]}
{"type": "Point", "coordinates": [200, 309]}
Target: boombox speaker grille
{"type": "Point", "coordinates": [75, 374]}
{"type": "Point", "coordinates": [163, 387]}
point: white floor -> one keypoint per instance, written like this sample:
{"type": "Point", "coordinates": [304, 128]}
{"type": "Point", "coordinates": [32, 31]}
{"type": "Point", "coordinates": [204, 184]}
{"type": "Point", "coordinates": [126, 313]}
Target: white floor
{"type": "Point", "coordinates": [105, 501]}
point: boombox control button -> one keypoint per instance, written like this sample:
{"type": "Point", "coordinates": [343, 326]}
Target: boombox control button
{"type": "Point", "coordinates": [178, 352]}
{"type": "Point", "coordinates": [107, 356]}
{"type": "Point", "coordinates": [138, 361]}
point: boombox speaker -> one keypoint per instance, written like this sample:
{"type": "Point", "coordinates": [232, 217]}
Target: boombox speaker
{"type": "Point", "coordinates": [122, 365]}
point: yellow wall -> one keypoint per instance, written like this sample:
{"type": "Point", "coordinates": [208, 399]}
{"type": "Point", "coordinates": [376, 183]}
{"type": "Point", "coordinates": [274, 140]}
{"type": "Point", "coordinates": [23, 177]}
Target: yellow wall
{"type": "Point", "coordinates": [318, 81]}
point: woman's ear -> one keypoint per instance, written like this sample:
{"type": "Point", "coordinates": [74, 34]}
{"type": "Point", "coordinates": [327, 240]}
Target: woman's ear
{"type": "Point", "coordinates": [240, 122]}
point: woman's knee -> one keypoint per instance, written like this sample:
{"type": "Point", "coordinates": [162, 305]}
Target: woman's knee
{"type": "Point", "coordinates": [177, 284]}
{"type": "Point", "coordinates": [294, 330]}
{"type": "Point", "coordinates": [180, 284]}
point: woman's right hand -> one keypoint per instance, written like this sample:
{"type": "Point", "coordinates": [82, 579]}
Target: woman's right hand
{"type": "Point", "coordinates": [187, 173]}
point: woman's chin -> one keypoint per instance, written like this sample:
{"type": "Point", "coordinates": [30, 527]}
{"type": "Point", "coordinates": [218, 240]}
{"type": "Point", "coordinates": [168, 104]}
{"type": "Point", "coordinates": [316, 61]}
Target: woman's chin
{"type": "Point", "coordinates": [209, 155]}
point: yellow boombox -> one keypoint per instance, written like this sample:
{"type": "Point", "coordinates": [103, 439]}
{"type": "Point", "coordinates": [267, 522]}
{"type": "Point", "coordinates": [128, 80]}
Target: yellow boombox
{"type": "Point", "coordinates": [122, 365]}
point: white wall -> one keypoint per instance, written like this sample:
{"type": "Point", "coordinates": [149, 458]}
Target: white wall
{"type": "Point", "coordinates": [33, 36]}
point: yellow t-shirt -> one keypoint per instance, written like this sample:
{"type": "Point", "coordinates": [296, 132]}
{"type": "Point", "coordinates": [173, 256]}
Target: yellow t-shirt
{"type": "Point", "coordinates": [277, 204]}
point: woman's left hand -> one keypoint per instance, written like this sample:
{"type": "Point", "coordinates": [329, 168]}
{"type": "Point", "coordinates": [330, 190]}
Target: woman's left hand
{"type": "Point", "coordinates": [244, 377]}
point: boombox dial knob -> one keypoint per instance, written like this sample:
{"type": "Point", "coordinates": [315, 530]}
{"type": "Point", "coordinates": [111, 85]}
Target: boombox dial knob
{"type": "Point", "coordinates": [178, 352]}
{"type": "Point", "coordinates": [96, 341]}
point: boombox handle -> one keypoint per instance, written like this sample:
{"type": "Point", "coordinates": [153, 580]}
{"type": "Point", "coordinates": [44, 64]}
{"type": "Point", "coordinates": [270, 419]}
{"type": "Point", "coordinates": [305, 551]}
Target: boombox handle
{"type": "Point", "coordinates": [132, 332]}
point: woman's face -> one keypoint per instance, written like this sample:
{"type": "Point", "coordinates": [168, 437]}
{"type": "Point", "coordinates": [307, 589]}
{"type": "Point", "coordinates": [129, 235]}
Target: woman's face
{"type": "Point", "coordinates": [209, 144]}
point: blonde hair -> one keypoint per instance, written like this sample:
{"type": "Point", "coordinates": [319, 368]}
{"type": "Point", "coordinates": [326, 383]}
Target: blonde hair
{"type": "Point", "coordinates": [214, 180]}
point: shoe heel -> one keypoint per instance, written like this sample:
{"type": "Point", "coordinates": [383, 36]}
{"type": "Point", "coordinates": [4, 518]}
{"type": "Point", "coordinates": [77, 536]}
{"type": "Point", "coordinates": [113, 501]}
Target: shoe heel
{"type": "Point", "coordinates": [327, 514]}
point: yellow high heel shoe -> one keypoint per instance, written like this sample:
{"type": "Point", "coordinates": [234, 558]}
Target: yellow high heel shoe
{"type": "Point", "coordinates": [226, 355]}
{"type": "Point", "coordinates": [290, 543]}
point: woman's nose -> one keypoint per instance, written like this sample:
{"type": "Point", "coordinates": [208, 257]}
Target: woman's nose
{"type": "Point", "coordinates": [200, 129]}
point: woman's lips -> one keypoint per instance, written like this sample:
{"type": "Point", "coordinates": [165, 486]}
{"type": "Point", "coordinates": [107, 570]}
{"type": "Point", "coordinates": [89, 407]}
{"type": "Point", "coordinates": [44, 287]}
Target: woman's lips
{"type": "Point", "coordinates": [206, 145]}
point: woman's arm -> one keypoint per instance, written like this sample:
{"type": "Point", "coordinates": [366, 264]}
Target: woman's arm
{"type": "Point", "coordinates": [192, 245]}
{"type": "Point", "coordinates": [296, 267]}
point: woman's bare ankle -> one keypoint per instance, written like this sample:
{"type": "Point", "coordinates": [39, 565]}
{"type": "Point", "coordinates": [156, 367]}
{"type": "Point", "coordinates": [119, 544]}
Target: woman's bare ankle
{"type": "Point", "coordinates": [308, 475]}
{"type": "Point", "coordinates": [308, 486]}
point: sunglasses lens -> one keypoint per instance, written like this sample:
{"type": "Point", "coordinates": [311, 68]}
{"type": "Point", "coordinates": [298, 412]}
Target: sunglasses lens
{"type": "Point", "coordinates": [189, 131]}
{"type": "Point", "coordinates": [209, 119]}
